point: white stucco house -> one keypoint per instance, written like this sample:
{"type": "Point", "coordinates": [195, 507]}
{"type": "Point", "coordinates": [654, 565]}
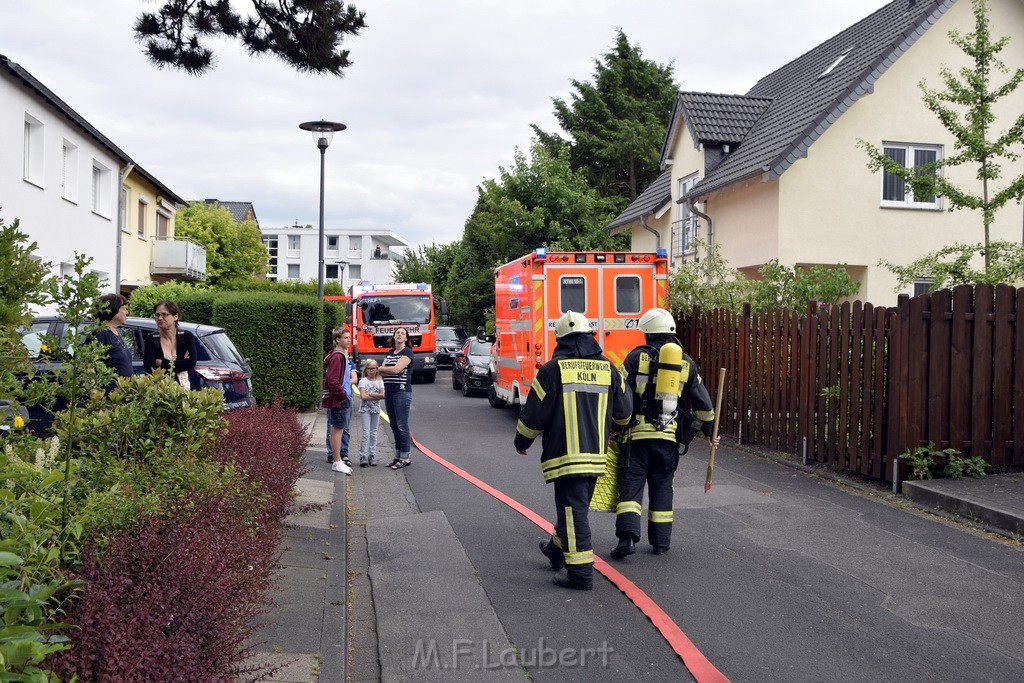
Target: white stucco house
{"type": "Point", "coordinates": [74, 191]}
{"type": "Point", "coordinates": [58, 174]}
{"type": "Point", "coordinates": [777, 172]}
{"type": "Point", "coordinates": [350, 256]}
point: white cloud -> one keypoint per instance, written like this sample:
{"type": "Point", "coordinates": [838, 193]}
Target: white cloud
{"type": "Point", "coordinates": [439, 96]}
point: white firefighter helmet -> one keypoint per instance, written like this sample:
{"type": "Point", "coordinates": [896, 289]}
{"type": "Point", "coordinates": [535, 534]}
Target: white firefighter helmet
{"type": "Point", "coordinates": [570, 322]}
{"type": "Point", "coordinates": [657, 321]}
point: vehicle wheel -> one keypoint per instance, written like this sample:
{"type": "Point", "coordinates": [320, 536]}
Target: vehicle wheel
{"type": "Point", "coordinates": [429, 377]}
{"type": "Point", "coordinates": [455, 382]}
{"type": "Point", "coordinates": [494, 399]}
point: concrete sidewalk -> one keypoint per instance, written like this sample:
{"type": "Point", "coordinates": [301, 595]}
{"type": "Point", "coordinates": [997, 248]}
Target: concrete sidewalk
{"type": "Point", "coordinates": [366, 574]}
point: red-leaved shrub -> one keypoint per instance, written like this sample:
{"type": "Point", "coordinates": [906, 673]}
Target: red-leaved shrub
{"type": "Point", "coordinates": [177, 599]}
{"type": "Point", "coordinates": [266, 444]}
{"type": "Point", "coordinates": [172, 600]}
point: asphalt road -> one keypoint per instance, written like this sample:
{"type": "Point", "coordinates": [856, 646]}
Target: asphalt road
{"type": "Point", "coordinates": [775, 575]}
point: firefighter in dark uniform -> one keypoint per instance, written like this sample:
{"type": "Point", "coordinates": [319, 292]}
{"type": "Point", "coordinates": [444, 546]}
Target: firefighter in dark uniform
{"type": "Point", "coordinates": [652, 443]}
{"type": "Point", "coordinates": [578, 401]}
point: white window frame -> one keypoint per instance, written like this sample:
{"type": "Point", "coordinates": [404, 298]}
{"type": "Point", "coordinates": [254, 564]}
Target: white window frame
{"type": "Point", "coordinates": [298, 272]}
{"type": "Point", "coordinates": [141, 212]}
{"type": "Point", "coordinates": [329, 250]}
{"type": "Point", "coordinates": [101, 189]}
{"type": "Point", "coordinates": [924, 283]}
{"type": "Point", "coordinates": [271, 241]}
{"type": "Point", "coordinates": [355, 271]}
{"type": "Point", "coordinates": [69, 171]}
{"type": "Point", "coordinates": [297, 240]}
{"type": "Point", "coordinates": [33, 170]}
{"type": "Point", "coordinates": [167, 225]}
{"type": "Point", "coordinates": [356, 250]}
{"type": "Point", "coordinates": [908, 201]}
{"type": "Point", "coordinates": [686, 226]}
{"type": "Point", "coordinates": [125, 212]}
{"type": "Point", "coordinates": [337, 273]}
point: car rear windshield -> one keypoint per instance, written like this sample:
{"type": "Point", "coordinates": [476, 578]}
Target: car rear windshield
{"type": "Point", "coordinates": [220, 346]}
{"type": "Point", "coordinates": [450, 334]}
{"type": "Point", "coordinates": [479, 348]}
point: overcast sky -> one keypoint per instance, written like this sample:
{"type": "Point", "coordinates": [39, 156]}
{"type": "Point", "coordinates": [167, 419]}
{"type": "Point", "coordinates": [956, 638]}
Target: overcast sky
{"type": "Point", "coordinates": [440, 95]}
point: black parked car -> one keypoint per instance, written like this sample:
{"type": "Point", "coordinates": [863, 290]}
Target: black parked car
{"type": "Point", "coordinates": [471, 371]}
{"type": "Point", "coordinates": [449, 345]}
{"type": "Point", "coordinates": [219, 364]}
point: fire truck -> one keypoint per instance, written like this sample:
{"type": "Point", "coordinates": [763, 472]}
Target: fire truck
{"type": "Point", "coordinates": [378, 310]}
{"type": "Point", "coordinates": [613, 289]}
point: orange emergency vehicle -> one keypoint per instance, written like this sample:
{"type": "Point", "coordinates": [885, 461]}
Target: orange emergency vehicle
{"type": "Point", "coordinates": [378, 310]}
{"type": "Point", "coordinates": [613, 289]}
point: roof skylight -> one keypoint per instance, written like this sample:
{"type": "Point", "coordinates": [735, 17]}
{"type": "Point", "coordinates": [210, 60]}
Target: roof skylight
{"type": "Point", "coordinates": [836, 63]}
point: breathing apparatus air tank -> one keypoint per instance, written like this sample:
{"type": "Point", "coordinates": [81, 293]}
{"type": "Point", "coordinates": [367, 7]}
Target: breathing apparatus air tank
{"type": "Point", "coordinates": [666, 388]}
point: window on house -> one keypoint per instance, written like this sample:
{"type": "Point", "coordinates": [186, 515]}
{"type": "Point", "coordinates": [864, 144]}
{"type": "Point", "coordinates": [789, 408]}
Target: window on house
{"type": "Point", "coordinates": [271, 242]}
{"type": "Point", "coordinates": [140, 226]}
{"type": "Point", "coordinates": [123, 210]}
{"type": "Point", "coordinates": [293, 245]}
{"type": "Point", "coordinates": [627, 294]}
{"type": "Point", "coordinates": [572, 294]}
{"type": "Point", "coordinates": [33, 154]}
{"type": "Point", "coordinates": [67, 270]}
{"type": "Point", "coordinates": [101, 188]}
{"type": "Point", "coordinates": [69, 172]}
{"type": "Point", "coordinates": [355, 244]}
{"type": "Point", "coordinates": [163, 224]}
{"type": "Point", "coordinates": [895, 192]}
{"type": "Point", "coordinates": [355, 272]}
{"type": "Point", "coordinates": [331, 272]}
{"type": "Point", "coordinates": [332, 243]}
{"type": "Point", "coordinates": [922, 285]}
{"type": "Point", "coordinates": [293, 271]}
{"type": "Point", "coordinates": [684, 230]}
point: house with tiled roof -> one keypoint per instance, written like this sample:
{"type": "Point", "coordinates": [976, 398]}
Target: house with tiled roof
{"type": "Point", "coordinates": [74, 190]}
{"type": "Point", "coordinates": [778, 173]}
{"type": "Point", "coordinates": [240, 211]}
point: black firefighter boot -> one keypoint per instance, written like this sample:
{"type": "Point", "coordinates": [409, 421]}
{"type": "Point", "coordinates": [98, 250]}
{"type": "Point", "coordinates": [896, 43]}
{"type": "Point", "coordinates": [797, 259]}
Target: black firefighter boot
{"type": "Point", "coordinates": [625, 547]}
{"type": "Point", "coordinates": [554, 554]}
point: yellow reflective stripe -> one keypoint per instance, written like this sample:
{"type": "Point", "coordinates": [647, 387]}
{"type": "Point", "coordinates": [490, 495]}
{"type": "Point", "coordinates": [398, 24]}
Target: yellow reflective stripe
{"type": "Point", "coordinates": [704, 415]}
{"type": "Point", "coordinates": [659, 515]}
{"type": "Point", "coordinates": [537, 389]}
{"type": "Point", "coordinates": [570, 531]}
{"type": "Point", "coordinates": [581, 557]}
{"type": "Point", "coordinates": [556, 541]}
{"type": "Point", "coordinates": [569, 418]}
{"type": "Point", "coordinates": [602, 423]}
{"type": "Point", "coordinates": [526, 431]}
{"type": "Point", "coordinates": [622, 423]}
{"type": "Point", "coordinates": [575, 470]}
{"type": "Point", "coordinates": [653, 436]}
{"type": "Point", "coordinates": [627, 506]}
{"type": "Point", "coordinates": [574, 458]}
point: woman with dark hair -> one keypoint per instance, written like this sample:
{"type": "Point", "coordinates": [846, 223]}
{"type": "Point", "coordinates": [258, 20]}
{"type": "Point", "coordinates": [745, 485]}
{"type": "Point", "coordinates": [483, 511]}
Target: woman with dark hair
{"type": "Point", "coordinates": [169, 348]}
{"type": "Point", "coordinates": [112, 310]}
{"type": "Point", "coordinates": [397, 371]}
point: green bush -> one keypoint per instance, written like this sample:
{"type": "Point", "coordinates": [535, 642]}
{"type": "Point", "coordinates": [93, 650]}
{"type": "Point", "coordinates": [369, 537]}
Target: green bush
{"type": "Point", "coordinates": [142, 300]}
{"type": "Point", "coordinates": [282, 336]}
{"type": "Point", "coordinates": [308, 288]}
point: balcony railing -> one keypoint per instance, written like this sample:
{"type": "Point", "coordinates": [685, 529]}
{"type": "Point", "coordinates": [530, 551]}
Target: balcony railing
{"type": "Point", "coordinates": [684, 236]}
{"type": "Point", "coordinates": [179, 257]}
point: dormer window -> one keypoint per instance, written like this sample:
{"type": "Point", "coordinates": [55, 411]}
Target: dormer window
{"type": "Point", "coordinates": [839, 59]}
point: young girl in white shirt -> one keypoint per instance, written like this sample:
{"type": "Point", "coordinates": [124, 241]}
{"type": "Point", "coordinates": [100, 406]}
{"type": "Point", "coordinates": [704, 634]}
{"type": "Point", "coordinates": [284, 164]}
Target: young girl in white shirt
{"type": "Point", "coordinates": [371, 390]}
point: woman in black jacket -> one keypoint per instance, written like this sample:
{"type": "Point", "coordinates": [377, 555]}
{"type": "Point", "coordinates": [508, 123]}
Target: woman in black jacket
{"type": "Point", "coordinates": [169, 348]}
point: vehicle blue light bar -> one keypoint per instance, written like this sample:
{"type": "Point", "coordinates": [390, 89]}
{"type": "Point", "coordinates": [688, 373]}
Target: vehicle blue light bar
{"type": "Point", "coordinates": [422, 285]}
{"type": "Point", "coordinates": [541, 252]}
{"type": "Point", "coordinates": [662, 253]}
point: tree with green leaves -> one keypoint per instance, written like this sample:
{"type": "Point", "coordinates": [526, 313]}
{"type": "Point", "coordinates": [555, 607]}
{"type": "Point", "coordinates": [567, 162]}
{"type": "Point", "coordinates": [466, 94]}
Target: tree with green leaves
{"type": "Point", "coordinates": [539, 201]}
{"type": "Point", "coordinates": [305, 34]}
{"type": "Point", "coordinates": [953, 265]}
{"type": "Point", "coordinates": [965, 109]}
{"type": "Point", "coordinates": [430, 264]}
{"type": "Point", "coordinates": [233, 250]}
{"type": "Point", "coordinates": [616, 125]}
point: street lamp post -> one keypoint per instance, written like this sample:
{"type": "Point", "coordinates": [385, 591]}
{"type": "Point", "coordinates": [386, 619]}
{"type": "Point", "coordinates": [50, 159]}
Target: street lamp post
{"type": "Point", "coordinates": [323, 132]}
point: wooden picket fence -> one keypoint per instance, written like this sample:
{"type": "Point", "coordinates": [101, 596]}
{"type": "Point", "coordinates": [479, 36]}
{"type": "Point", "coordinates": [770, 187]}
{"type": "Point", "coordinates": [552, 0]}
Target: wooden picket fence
{"type": "Point", "coordinates": [854, 386]}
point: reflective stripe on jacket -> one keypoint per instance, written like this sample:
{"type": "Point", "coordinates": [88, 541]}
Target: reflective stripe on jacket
{"type": "Point", "coordinates": [572, 404]}
{"type": "Point", "coordinates": [640, 369]}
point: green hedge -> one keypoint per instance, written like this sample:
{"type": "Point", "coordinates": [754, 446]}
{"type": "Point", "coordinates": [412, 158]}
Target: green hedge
{"type": "Point", "coordinates": [281, 335]}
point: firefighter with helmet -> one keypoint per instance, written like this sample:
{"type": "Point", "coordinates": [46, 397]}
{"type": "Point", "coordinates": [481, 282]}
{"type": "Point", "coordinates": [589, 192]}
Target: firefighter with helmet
{"type": "Point", "coordinates": [578, 400]}
{"type": "Point", "coordinates": [657, 373]}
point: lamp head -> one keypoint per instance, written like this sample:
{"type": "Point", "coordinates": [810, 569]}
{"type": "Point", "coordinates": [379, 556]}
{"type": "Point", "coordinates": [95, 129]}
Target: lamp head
{"type": "Point", "coordinates": [323, 131]}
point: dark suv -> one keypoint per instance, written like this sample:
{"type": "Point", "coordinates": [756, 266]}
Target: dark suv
{"type": "Point", "coordinates": [449, 344]}
{"type": "Point", "coordinates": [219, 364]}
